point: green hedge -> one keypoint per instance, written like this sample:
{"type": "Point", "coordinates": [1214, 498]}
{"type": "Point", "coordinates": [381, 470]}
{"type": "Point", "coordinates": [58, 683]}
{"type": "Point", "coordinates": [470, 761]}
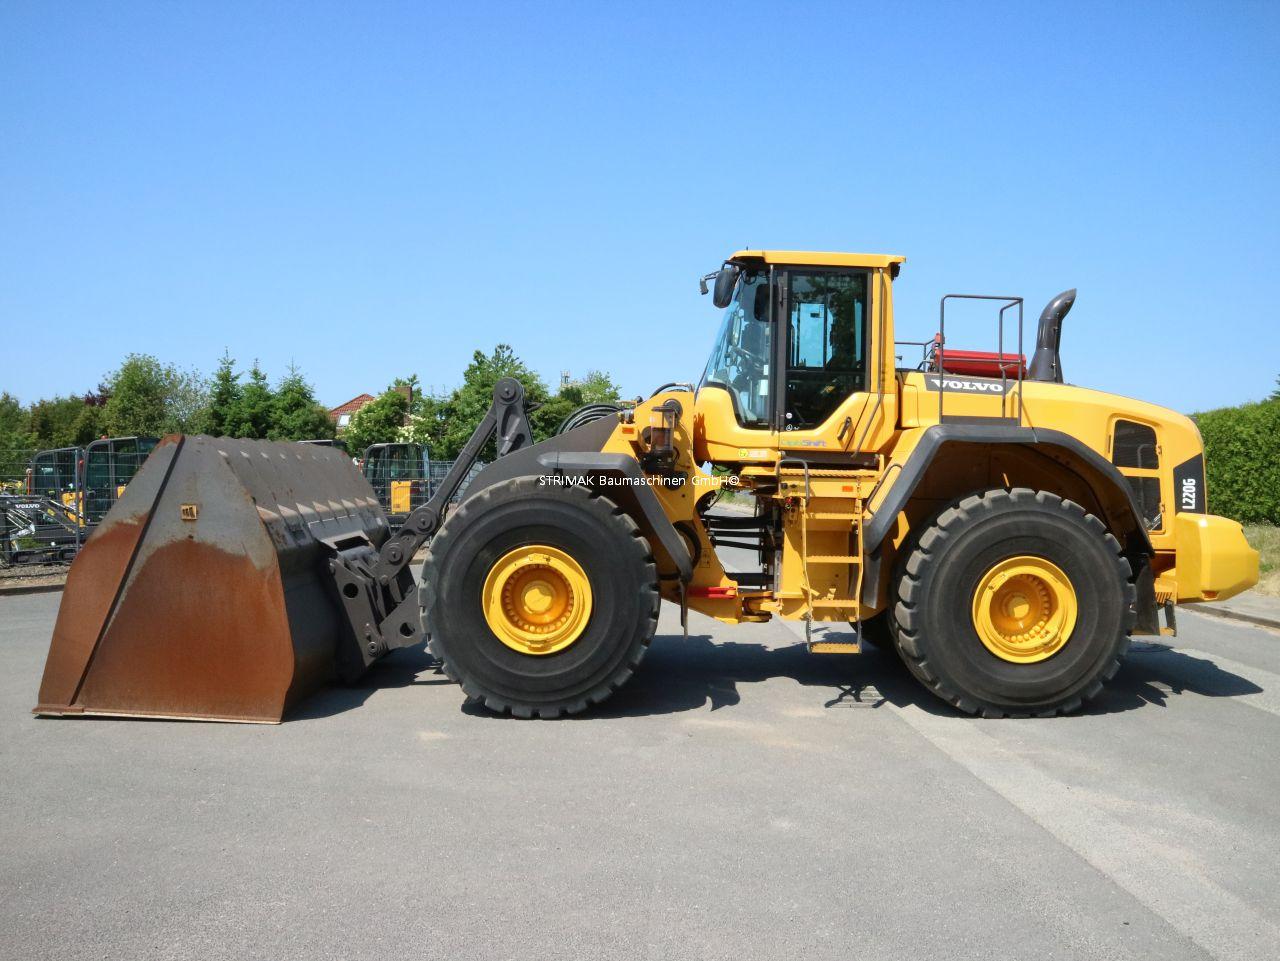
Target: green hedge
{"type": "Point", "coordinates": [1242, 454]}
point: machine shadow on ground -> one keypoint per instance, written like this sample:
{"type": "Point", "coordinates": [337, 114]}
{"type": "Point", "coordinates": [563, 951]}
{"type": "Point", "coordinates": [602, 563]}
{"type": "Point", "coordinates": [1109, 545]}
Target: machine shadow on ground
{"type": "Point", "coordinates": [692, 674]}
{"type": "Point", "coordinates": [1153, 673]}
{"type": "Point", "coordinates": [409, 667]}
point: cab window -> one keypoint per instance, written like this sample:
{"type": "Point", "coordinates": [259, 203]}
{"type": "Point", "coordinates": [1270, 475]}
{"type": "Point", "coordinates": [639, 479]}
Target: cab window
{"type": "Point", "coordinates": [97, 473]}
{"type": "Point", "coordinates": [826, 344]}
{"type": "Point", "coordinates": [53, 471]}
{"type": "Point", "coordinates": [375, 465]}
{"type": "Point", "coordinates": [127, 456]}
{"type": "Point", "coordinates": [739, 360]}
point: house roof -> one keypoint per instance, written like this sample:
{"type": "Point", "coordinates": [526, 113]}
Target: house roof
{"type": "Point", "coordinates": [351, 406]}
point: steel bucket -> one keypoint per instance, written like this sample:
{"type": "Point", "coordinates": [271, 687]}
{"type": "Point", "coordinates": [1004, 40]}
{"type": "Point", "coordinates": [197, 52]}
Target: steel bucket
{"type": "Point", "coordinates": [205, 591]}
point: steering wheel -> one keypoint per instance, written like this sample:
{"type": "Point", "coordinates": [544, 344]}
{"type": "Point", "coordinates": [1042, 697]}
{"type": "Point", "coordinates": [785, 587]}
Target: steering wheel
{"type": "Point", "coordinates": [747, 355]}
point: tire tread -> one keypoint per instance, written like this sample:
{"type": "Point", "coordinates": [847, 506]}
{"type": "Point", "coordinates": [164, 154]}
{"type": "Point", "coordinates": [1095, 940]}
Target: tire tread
{"type": "Point", "coordinates": [969, 511]}
{"type": "Point", "coordinates": [604, 510]}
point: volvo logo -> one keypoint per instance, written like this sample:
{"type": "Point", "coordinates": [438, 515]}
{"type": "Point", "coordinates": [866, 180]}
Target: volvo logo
{"type": "Point", "coordinates": [963, 384]}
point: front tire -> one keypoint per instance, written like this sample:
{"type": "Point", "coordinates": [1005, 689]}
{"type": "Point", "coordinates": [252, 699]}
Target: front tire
{"type": "Point", "coordinates": [1015, 603]}
{"type": "Point", "coordinates": [540, 601]}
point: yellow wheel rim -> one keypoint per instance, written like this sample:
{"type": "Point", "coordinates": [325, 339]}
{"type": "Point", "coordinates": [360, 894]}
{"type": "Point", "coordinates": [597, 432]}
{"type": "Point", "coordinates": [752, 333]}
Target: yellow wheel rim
{"type": "Point", "coordinates": [537, 599]}
{"type": "Point", "coordinates": [1024, 609]}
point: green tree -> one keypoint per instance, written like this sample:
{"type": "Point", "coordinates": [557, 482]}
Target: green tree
{"type": "Point", "coordinates": [1275, 394]}
{"type": "Point", "coordinates": [596, 388]}
{"type": "Point", "coordinates": [16, 440]}
{"type": "Point", "coordinates": [137, 401]}
{"type": "Point", "coordinates": [445, 425]}
{"type": "Point", "coordinates": [295, 413]}
{"type": "Point", "coordinates": [188, 398]}
{"type": "Point", "coordinates": [13, 419]}
{"type": "Point", "coordinates": [251, 414]}
{"type": "Point", "coordinates": [429, 424]}
{"type": "Point", "coordinates": [378, 422]}
{"type": "Point", "coordinates": [1242, 459]}
{"type": "Point", "coordinates": [415, 389]}
{"type": "Point", "coordinates": [64, 422]}
{"type": "Point", "coordinates": [146, 397]}
{"type": "Point", "coordinates": [224, 395]}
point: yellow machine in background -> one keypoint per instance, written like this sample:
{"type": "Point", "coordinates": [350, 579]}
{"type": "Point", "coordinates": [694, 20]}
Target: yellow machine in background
{"type": "Point", "coordinates": [87, 480]}
{"type": "Point", "coordinates": [399, 476]}
{"type": "Point", "coordinates": [1004, 531]}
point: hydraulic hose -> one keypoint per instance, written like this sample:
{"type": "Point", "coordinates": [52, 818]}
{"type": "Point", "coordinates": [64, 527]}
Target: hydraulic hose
{"type": "Point", "coordinates": [586, 414]}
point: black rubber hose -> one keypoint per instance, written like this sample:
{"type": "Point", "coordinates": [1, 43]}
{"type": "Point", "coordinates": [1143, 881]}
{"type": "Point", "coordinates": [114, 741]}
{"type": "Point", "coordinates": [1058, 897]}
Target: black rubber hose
{"type": "Point", "coordinates": [586, 414]}
{"type": "Point", "coordinates": [674, 385]}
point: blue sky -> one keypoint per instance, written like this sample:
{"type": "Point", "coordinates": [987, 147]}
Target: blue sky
{"type": "Point", "coordinates": [372, 190]}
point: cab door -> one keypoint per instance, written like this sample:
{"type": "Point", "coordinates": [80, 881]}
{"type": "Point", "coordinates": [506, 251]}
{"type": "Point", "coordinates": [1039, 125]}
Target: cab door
{"type": "Point", "coordinates": [834, 395]}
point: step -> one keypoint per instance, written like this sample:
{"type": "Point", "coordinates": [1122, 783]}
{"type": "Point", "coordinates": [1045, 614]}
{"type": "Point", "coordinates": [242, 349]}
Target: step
{"type": "Point", "coordinates": [835, 647]}
{"type": "Point", "coordinates": [834, 602]}
{"type": "Point", "coordinates": [834, 559]}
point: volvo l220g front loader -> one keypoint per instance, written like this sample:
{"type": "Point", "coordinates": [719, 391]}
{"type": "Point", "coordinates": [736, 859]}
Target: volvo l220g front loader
{"type": "Point", "coordinates": [1008, 532]}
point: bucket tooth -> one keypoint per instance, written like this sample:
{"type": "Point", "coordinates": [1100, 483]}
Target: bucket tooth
{"type": "Point", "coordinates": [205, 591]}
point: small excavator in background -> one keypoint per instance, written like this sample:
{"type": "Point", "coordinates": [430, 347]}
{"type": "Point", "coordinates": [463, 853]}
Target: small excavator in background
{"type": "Point", "coordinates": [400, 475]}
{"type": "Point", "coordinates": [88, 480]}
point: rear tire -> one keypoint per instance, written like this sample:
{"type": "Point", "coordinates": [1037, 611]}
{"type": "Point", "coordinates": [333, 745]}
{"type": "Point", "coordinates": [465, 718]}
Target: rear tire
{"type": "Point", "coordinates": [602, 542]}
{"type": "Point", "coordinates": [938, 594]}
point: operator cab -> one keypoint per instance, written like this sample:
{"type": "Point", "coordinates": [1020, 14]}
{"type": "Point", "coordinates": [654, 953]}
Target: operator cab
{"type": "Point", "coordinates": [53, 472]}
{"type": "Point", "coordinates": [793, 352]}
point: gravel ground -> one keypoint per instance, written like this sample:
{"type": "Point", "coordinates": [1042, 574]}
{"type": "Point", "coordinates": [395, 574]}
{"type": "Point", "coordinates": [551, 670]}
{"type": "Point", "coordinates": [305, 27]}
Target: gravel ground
{"type": "Point", "coordinates": [32, 575]}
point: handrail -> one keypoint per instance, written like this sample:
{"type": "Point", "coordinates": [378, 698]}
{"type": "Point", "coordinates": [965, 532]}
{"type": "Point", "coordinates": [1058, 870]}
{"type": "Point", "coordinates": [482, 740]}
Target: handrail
{"type": "Point", "coordinates": [1008, 301]}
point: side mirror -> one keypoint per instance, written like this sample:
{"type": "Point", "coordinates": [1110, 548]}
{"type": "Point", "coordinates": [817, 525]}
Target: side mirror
{"type": "Point", "coordinates": [726, 280]}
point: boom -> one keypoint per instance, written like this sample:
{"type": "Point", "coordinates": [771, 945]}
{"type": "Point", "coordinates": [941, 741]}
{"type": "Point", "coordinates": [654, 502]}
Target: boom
{"type": "Point", "coordinates": [375, 588]}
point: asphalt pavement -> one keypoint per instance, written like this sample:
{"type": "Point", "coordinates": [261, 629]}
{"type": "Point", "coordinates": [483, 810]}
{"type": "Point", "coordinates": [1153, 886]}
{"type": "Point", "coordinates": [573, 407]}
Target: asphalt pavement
{"type": "Point", "coordinates": [740, 798]}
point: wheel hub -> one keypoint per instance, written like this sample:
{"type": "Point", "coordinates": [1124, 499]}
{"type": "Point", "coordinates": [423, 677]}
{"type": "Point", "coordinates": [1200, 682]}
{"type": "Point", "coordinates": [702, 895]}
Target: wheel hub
{"type": "Point", "coordinates": [1024, 609]}
{"type": "Point", "coordinates": [536, 599]}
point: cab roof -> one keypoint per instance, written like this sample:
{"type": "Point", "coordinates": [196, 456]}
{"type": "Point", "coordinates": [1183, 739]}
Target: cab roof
{"type": "Point", "coordinates": [819, 258]}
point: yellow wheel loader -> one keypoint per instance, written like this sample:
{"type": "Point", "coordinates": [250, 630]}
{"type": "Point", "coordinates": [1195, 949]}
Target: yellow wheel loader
{"type": "Point", "coordinates": [1007, 531]}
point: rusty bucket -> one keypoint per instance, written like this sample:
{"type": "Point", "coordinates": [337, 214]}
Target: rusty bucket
{"type": "Point", "coordinates": [205, 593]}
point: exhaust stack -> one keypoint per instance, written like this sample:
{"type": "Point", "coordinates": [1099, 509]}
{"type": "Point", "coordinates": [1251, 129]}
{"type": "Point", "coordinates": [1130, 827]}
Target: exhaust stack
{"type": "Point", "coordinates": [1046, 363]}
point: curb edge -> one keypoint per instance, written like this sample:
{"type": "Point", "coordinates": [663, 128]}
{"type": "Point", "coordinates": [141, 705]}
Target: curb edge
{"type": "Point", "coordinates": [1225, 615]}
{"type": "Point", "coordinates": [36, 589]}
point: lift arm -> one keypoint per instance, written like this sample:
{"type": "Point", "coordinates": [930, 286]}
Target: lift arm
{"type": "Point", "coordinates": [376, 590]}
